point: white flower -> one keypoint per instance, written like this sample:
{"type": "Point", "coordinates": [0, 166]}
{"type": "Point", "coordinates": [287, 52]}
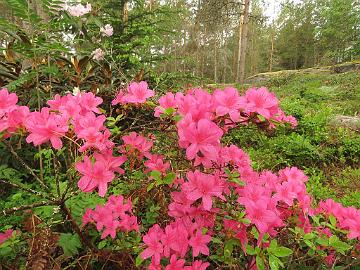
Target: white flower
{"type": "Point", "coordinates": [98, 54]}
{"type": "Point", "coordinates": [76, 91]}
{"type": "Point", "coordinates": [107, 30]}
{"type": "Point", "coordinates": [78, 10]}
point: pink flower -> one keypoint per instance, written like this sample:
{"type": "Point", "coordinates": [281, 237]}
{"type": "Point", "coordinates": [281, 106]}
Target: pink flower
{"type": "Point", "coordinates": [156, 163]}
{"type": "Point", "coordinates": [240, 231]}
{"type": "Point", "coordinates": [258, 214]}
{"type": "Point", "coordinates": [90, 128]}
{"type": "Point", "coordinates": [228, 102]}
{"type": "Point", "coordinates": [175, 264]}
{"type": "Point", "coordinates": [353, 225]}
{"type": "Point", "coordinates": [98, 54]}
{"type": "Point", "coordinates": [138, 142]}
{"type": "Point", "coordinates": [87, 217]}
{"type": "Point", "coordinates": [203, 136]}
{"type": "Point", "coordinates": [113, 216]}
{"type": "Point", "coordinates": [204, 186]}
{"type": "Point", "coordinates": [112, 163]}
{"type": "Point", "coordinates": [329, 259]}
{"type": "Point", "coordinates": [15, 119]}
{"type": "Point", "coordinates": [94, 175]}
{"type": "Point", "coordinates": [165, 102]}
{"type": "Point", "coordinates": [198, 265]}
{"type": "Point", "coordinates": [178, 244]}
{"type": "Point", "coordinates": [199, 242]}
{"type": "Point", "coordinates": [44, 126]}
{"type": "Point", "coordinates": [236, 156]}
{"type": "Point", "coordinates": [119, 99]}
{"type": "Point", "coordinates": [293, 174]}
{"type": "Point", "coordinates": [138, 93]}
{"type": "Point", "coordinates": [107, 30]}
{"type": "Point", "coordinates": [285, 193]}
{"type": "Point", "coordinates": [7, 101]}
{"type": "Point", "coordinates": [6, 235]}
{"type": "Point", "coordinates": [154, 247]}
{"type": "Point", "coordinates": [260, 101]}
{"type": "Point", "coordinates": [89, 102]}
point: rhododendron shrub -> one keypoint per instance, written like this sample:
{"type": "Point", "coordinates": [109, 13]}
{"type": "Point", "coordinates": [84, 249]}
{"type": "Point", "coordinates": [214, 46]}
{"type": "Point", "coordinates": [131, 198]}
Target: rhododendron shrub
{"type": "Point", "coordinates": [217, 210]}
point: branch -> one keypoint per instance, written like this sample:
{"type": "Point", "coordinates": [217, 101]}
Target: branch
{"type": "Point", "coordinates": [29, 206]}
{"type": "Point", "coordinates": [76, 228]}
{"type": "Point", "coordinates": [9, 146]}
{"type": "Point", "coordinates": [29, 190]}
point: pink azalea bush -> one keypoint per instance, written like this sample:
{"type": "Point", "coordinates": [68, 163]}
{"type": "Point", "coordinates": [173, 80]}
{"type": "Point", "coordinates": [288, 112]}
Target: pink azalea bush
{"type": "Point", "coordinates": [217, 197]}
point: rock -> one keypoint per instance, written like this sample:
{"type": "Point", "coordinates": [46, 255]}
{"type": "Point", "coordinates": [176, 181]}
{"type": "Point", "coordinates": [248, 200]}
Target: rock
{"type": "Point", "coordinates": [351, 122]}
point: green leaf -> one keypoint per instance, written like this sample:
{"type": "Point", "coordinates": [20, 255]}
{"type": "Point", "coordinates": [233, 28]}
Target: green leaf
{"type": "Point", "coordinates": [332, 220]}
{"type": "Point", "coordinates": [138, 260]}
{"type": "Point", "coordinates": [70, 243]}
{"type": "Point", "coordinates": [155, 175]}
{"type": "Point", "coordinates": [102, 244]}
{"type": "Point", "coordinates": [261, 118]}
{"type": "Point", "coordinates": [169, 111]}
{"type": "Point", "coordinates": [229, 247]}
{"type": "Point", "coordinates": [260, 263]}
{"type": "Point", "coordinates": [281, 251]}
{"type": "Point", "coordinates": [273, 262]}
{"type": "Point", "coordinates": [322, 241]}
{"type": "Point", "coordinates": [250, 250]}
{"type": "Point", "coordinates": [150, 187]}
{"type": "Point", "coordinates": [216, 240]}
{"type": "Point", "coordinates": [273, 244]}
{"type": "Point", "coordinates": [309, 236]}
{"type": "Point", "coordinates": [177, 118]}
{"type": "Point", "coordinates": [340, 246]}
{"type": "Point", "coordinates": [333, 239]}
{"type": "Point", "coordinates": [169, 178]}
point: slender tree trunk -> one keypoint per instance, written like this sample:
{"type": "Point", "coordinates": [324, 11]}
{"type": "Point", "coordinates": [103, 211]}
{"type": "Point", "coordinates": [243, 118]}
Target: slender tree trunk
{"type": "Point", "coordinates": [125, 11]}
{"type": "Point", "coordinates": [271, 51]}
{"type": "Point", "coordinates": [224, 68]}
{"type": "Point", "coordinates": [239, 48]}
{"type": "Point", "coordinates": [152, 4]}
{"type": "Point", "coordinates": [244, 31]}
{"type": "Point", "coordinates": [215, 62]}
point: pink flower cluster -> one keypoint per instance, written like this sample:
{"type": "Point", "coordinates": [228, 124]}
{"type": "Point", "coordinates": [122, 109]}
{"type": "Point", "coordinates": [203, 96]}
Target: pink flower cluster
{"type": "Point", "coordinates": [12, 116]}
{"type": "Point", "coordinates": [76, 116]}
{"type": "Point", "coordinates": [221, 177]}
{"type": "Point", "coordinates": [174, 242]}
{"type": "Point", "coordinates": [347, 217]}
{"type": "Point", "coordinates": [136, 93]}
{"type": "Point", "coordinates": [115, 215]}
{"type": "Point", "coordinates": [206, 117]}
{"type": "Point", "coordinates": [269, 201]}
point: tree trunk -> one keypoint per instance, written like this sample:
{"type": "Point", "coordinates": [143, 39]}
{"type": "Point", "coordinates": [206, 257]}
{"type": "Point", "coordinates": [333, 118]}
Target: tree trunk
{"type": "Point", "coordinates": [152, 4]}
{"type": "Point", "coordinates": [124, 11]}
{"type": "Point", "coordinates": [215, 62]}
{"type": "Point", "coordinates": [239, 48]}
{"type": "Point", "coordinates": [244, 30]}
{"type": "Point", "coordinates": [272, 51]}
